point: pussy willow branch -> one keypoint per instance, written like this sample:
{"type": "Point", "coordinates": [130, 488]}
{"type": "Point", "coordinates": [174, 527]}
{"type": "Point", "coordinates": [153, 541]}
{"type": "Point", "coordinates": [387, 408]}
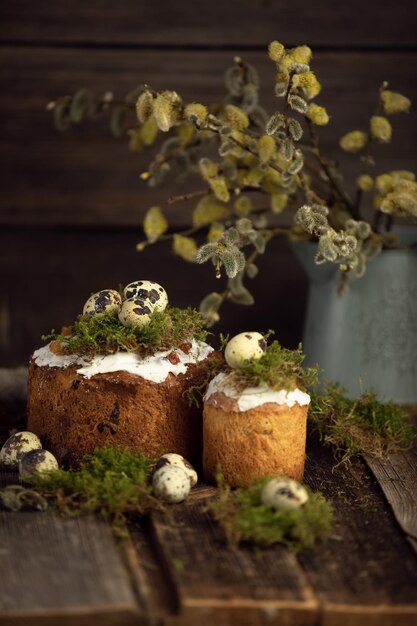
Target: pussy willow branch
{"type": "Point", "coordinates": [341, 193]}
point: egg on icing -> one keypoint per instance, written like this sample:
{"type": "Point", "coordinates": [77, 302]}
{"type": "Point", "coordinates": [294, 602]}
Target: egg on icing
{"type": "Point", "coordinates": [136, 312]}
{"type": "Point", "coordinates": [284, 494]}
{"type": "Point", "coordinates": [243, 347]}
{"type": "Point", "coordinates": [171, 484]}
{"type": "Point", "coordinates": [148, 290]}
{"type": "Point", "coordinates": [16, 446]}
{"type": "Point", "coordinates": [102, 302]}
{"type": "Point", "coordinates": [37, 462]}
{"type": "Point", "coordinates": [172, 458]}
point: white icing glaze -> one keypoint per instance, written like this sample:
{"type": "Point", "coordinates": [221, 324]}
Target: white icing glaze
{"type": "Point", "coordinates": [155, 367]}
{"type": "Point", "coordinates": [252, 397]}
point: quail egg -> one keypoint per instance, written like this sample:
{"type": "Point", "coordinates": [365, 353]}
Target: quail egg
{"type": "Point", "coordinates": [171, 458]}
{"type": "Point", "coordinates": [243, 347]}
{"type": "Point", "coordinates": [148, 290]}
{"type": "Point", "coordinates": [102, 302]}
{"type": "Point", "coordinates": [136, 312]}
{"type": "Point", "coordinates": [171, 484]}
{"type": "Point", "coordinates": [37, 462]}
{"type": "Point", "coordinates": [16, 446]}
{"type": "Point", "coordinates": [284, 494]}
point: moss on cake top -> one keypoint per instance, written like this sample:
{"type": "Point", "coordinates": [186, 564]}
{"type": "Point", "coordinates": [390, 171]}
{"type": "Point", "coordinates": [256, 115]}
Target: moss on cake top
{"type": "Point", "coordinates": [105, 334]}
{"type": "Point", "coordinates": [254, 363]}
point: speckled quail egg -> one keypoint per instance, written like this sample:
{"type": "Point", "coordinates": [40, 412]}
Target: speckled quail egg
{"type": "Point", "coordinates": [103, 302]}
{"type": "Point", "coordinates": [172, 458]}
{"type": "Point", "coordinates": [148, 290]}
{"type": "Point", "coordinates": [16, 446]}
{"type": "Point", "coordinates": [171, 484]}
{"type": "Point", "coordinates": [284, 494]}
{"type": "Point", "coordinates": [136, 312]}
{"type": "Point", "coordinates": [37, 462]}
{"type": "Point", "coordinates": [243, 347]}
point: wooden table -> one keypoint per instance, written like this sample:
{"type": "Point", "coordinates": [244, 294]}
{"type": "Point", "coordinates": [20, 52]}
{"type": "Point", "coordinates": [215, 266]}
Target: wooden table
{"type": "Point", "coordinates": [175, 569]}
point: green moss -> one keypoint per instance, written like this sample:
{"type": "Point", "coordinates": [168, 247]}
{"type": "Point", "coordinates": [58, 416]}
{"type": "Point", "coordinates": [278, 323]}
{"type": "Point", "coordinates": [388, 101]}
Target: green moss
{"type": "Point", "coordinates": [365, 425]}
{"type": "Point", "coordinates": [279, 368]}
{"type": "Point", "coordinates": [110, 482]}
{"type": "Point", "coordinates": [243, 518]}
{"type": "Point", "coordinates": [105, 334]}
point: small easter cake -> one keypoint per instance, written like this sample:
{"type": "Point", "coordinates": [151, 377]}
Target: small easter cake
{"type": "Point", "coordinates": [255, 413]}
{"type": "Point", "coordinates": [119, 376]}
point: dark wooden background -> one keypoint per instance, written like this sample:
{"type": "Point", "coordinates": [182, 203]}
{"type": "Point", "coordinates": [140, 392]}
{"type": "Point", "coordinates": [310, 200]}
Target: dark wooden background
{"type": "Point", "coordinates": [71, 204]}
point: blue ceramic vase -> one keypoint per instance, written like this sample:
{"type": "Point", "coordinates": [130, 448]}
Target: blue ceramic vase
{"type": "Point", "coordinates": [366, 338]}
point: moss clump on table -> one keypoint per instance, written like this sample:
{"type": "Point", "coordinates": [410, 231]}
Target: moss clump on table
{"type": "Point", "coordinates": [278, 367]}
{"type": "Point", "coordinates": [364, 425]}
{"type": "Point", "coordinates": [111, 483]}
{"type": "Point", "coordinates": [105, 334]}
{"type": "Point", "coordinates": [244, 518]}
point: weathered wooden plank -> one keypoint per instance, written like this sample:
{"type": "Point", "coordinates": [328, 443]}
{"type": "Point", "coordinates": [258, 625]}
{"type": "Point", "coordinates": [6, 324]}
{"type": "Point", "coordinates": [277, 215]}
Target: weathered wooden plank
{"type": "Point", "coordinates": [397, 477]}
{"type": "Point", "coordinates": [85, 177]}
{"type": "Point", "coordinates": [367, 573]}
{"type": "Point", "coordinates": [61, 570]}
{"type": "Point", "coordinates": [205, 24]}
{"type": "Point", "coordinates": [231, 587]}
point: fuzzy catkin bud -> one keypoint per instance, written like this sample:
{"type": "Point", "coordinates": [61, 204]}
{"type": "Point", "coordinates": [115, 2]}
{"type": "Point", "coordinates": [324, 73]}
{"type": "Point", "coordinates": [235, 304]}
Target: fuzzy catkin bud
{"type": "Point", "coordinates": [196, 113]}
{"type": "Point", "coordinates": [185, 247]}
{"type": "Point", "coordinates": [354, 141]}
{"type": "Point", "coordinates": [308, 83]}
{"type": "Point", "coordinates": [144, 106]}
{"type": "Point", "coordinates": [154, 224]}
{"type": "Point", "coordinates": [276, 51]}
{"type": "Point", "coordinates": [209, 210]}
{"type": "Point", "coordinates": [297, 104]}
{"type": "Point", "coordinates": [294, 128]}
{"type": "Point", "coordinates": [165, 111]}
{"type": "Point", "coordinates": [381, 129]}
{"type": "Point", "coordinates": [266, 147]}
{"type": "Point", "coordinates": [384, 184]}
{"type": "Point", "coordinates": [208, 168]}
{"type": "Point", "coordinates": [274, 124]}
{"type": "Point", "coordinates": [219, 187]}
{"type": "Point", "coordinates": [243, 205]}
{"type": "Point", "coordinates": [301, 54]}
{"type": "Point", "coordinates": [318, 115]}
{"type": "Point", "coordinates": [365, 182]}
{"type": "Point", "coordinates": [215, 232]}
{"type": "Point", "coordinates": [236, 118]}
{"type": "Point", "coordinates": [394, 102]}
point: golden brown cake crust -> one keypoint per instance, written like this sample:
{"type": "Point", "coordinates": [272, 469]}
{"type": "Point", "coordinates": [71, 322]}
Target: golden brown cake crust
{"type": "Point", "coordinates": [73, 415]}
{"type": "Point", "coordinates": [247, 445]}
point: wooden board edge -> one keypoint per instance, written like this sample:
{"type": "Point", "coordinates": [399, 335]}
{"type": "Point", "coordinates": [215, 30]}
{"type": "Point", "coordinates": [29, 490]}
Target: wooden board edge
{"type": "Point", "coordinates": [371, 615]}
{"type": "Point", "coordinates": [122, 615]}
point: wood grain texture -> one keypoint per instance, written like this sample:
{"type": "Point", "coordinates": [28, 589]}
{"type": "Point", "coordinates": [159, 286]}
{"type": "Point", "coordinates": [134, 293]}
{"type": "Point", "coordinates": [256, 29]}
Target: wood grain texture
{"type": "Point", "coordinates": [61, 570]}
{"type": "Point", "coordinates": [214, 584]}
{"type": "Point", "coordinates": [204, 23]}
{"type": "Point", "coordinates": [366, 574]}
{"type": "Point", "coordinates": [396, 475]}
{"type": "Point", "coordinates": [86, 177]}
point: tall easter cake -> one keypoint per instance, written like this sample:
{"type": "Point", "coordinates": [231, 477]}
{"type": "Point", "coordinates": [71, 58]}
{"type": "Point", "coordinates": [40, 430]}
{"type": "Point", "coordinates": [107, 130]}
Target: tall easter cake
{"type": "Point", "coordinates": [119, 377]}
{"type": "Point", "coordinates": [255, 414]}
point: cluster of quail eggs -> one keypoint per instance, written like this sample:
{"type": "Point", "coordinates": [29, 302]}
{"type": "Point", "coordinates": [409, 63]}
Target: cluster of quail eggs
{"type": "Point", "coordinates": [244, 347]}
{"type": "Point", "coordinates": [23, 452]}
{"type": "Point", "coordinates": [173, 478]}
{"type": "Point", "coordinates": [283, 494]}
{"type": "Point", "coordinates": [135, 308]}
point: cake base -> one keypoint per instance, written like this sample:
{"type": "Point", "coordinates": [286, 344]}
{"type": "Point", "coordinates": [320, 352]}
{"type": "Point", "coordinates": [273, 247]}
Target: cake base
{"type": "Point", "coordinates": [268, 440]}
{"type": "Point", "coordinates": [73, 415]}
